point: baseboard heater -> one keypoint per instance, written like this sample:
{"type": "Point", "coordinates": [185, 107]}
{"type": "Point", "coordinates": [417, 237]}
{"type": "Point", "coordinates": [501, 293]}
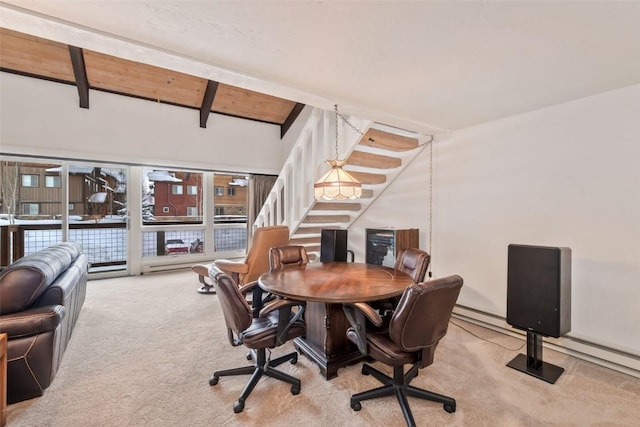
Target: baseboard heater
{"type": "Point", "coordinates": [599, 354]}
{"type": "Point", "coordinates": [146, 269]}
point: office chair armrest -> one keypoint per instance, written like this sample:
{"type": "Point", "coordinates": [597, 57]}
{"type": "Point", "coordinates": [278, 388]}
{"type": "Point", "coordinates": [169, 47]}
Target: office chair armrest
{"type": "Point", "coordinates": [285, 319]}
{"type": "Point", "coordinates": [248, 287]}
{"type": "Point", "coordinates": [229, 266]}
{"type": "Point", "coordinates": [355, 314]}
{"type": "Point", "coordinates": [369, 312]}
{"type": "Point", "coordinates": [280, 303]}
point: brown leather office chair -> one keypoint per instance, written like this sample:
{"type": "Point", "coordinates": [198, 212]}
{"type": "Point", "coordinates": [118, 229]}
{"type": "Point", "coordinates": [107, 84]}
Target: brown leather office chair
{"type": "Point", "coordinates": [254, 263]}
{"type": "Point", "coordinates": [412, 261]}
{"type": "Point", "coordinates": [418, 324]}
{"type": "Point", "coordinates": [283, 256]}
{"type": "Point", "coordinates": [276, 324]}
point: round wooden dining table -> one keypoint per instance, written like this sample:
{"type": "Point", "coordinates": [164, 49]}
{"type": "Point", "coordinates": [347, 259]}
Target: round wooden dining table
{"type": "Point", "coordinates": [325, 287]}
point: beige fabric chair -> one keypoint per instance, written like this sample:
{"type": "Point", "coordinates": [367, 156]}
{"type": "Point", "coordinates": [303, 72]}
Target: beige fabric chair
{"type": "Point", "coordinates": [255, 262]}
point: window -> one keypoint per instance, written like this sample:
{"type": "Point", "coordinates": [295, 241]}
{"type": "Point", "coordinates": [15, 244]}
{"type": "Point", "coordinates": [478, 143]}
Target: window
{"type": "Point", "coordinates": [219, 191]}
{"type": "Point", "coordinates": [192, 211]}
{"type": "Point", "coordinates": [231, 191]}
{"type": "Point", "coordinates": [30, 208]}
{"type": "Point", "coordinates": [52, 181]}
{"type": "Point", "coordinates": [162, 196]}
{"type": "Point", "coordinates": [29, 180]}
{"type": "Point", "coordinates": [219, 211]}
{"type": "Point", "coordinates": [72, 206]}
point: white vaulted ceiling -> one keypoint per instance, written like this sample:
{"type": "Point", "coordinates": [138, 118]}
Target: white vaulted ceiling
{"type": "Point", "coordinates": [417, 64]}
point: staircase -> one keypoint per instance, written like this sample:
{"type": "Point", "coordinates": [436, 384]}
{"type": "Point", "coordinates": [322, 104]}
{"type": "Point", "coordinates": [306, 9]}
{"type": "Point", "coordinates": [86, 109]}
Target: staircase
{"type": "Point", "coordinates": [375, 158]}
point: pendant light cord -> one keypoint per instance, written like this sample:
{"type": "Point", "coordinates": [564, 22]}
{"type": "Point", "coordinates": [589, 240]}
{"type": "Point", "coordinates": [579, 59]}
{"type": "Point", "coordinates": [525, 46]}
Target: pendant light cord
{"type": "Point", "coordinates": [430, 201]}
{"type": "Point", "coordinates": [337, 115]}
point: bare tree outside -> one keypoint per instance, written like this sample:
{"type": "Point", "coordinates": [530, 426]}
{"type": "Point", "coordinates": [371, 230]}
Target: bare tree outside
{"type": "Point", "coordinates": [9, 174]}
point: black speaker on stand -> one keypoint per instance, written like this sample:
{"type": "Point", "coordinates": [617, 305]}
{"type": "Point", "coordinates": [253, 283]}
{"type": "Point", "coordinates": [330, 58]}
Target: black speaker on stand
{"type": "Point", "coordinates": [539, 302]}
{"type": "Point", "coordinates": [333, 246]}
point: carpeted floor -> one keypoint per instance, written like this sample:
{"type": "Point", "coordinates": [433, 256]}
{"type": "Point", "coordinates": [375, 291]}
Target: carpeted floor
{"type": "Point", "coordinates": [144, 347]}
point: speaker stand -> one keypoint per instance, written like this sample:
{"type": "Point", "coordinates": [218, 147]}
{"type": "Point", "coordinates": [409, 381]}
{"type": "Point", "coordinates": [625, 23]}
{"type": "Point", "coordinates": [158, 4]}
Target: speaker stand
{"type": "Point", "coordinates": [533, 364]}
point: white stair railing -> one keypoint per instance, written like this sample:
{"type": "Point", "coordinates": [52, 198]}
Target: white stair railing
{"type": "Point", "coordinates": [291, 197]}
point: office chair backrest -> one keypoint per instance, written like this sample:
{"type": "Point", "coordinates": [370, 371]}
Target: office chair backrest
{"type": "Point", "coordinates": [414, 262]}
{"type": "Point", "coordinates": [422, 316]}
{"type": "Point", "coordinates": [235, 309]}
{"type": "Point", "coordinates": [257, 257]}
{"type": "Point", "coordinates": [281, 257]}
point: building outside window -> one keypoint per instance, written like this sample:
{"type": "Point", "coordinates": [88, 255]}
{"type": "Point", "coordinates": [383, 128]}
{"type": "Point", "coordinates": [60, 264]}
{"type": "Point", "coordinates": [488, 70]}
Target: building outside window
{"type": "Point", "coordinates": [219, 211]}
{"type": "Point", "coordinates": [219, 191]}
{"type": "Point", "coordinates": [231, 191]}
{"type": "Point", "coordinates": [176, 189]}
{"type": "Point", "coordinates": [165, 209]}
{"type": "Point", "coordinates": [192, 190]}
{"type": "Point", "coordinates": [30, 208]}
{"type": "Point", "coordinates": [192, 211]}
{"type": "Point", "coordinates": [52, 181]}
{"type": "Point", "coordinates": [29, 180]}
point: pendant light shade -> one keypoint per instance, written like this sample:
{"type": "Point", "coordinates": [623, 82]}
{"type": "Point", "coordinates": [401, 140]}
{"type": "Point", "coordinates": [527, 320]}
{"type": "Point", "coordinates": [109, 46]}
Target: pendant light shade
{"type": "Point", "coordinates": [337, 184]}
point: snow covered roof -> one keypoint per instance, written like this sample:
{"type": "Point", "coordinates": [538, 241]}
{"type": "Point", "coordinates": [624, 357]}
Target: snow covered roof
{"type": "Point", "coordinates": [162, 176]}
{"type": "Point", "coordinates": [98, 198]}
{"type": "Point", "coordinates": [73, 169]}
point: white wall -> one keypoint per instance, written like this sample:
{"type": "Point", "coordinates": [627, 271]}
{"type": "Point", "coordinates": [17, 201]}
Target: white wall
{"type": "Point", "coordinates": [567, 175]}
{"type": "Point", "coordinates": [43, 118]}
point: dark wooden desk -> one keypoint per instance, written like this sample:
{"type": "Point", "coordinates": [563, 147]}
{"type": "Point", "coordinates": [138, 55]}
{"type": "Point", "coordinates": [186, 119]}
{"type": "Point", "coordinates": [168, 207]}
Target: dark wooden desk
{"type": "Point", "coordinates": [325, 286]}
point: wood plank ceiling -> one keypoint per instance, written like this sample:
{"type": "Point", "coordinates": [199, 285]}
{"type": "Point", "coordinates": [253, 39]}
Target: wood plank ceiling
{"type": "Point", "coordinates": [36, 57]}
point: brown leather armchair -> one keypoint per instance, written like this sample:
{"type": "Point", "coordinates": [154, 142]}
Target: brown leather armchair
{"type": "Point", "coordinates": [418, 324]}
{"type": "Point", "coordinates": [254, 263]}
{"type": "Point", "coordinates": [275, 324]}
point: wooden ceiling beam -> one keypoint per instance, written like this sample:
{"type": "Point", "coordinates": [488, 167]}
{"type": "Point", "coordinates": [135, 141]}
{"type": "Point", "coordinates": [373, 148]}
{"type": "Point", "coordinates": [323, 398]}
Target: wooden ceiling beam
{"type": "Point", "coordinates": [80, 72]}
{"type": "Point", "coordinates": [293, 115]}
{"type": "Point", "coordinates": [207, 102]}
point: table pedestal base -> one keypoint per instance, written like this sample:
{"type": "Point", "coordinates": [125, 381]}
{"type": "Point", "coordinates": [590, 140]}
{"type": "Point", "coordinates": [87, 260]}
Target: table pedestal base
{"type": "Point", "coordinates": [325, 342]}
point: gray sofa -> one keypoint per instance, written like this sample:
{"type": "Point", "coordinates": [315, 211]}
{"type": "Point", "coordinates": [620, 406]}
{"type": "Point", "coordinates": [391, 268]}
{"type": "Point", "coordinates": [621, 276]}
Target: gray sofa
{"type": "Point", "coordinates": [41, 296]}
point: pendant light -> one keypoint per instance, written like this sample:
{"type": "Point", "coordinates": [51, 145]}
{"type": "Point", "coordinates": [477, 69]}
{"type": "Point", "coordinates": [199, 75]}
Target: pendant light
{"type": "Point", "coordinates": [337, 184]}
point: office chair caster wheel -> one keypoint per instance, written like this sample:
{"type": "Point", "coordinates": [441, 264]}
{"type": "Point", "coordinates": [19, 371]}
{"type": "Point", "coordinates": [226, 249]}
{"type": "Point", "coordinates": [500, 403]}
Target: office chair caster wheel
{"type": "Point", "coordinates": [294, 359]}
{"type": "Point", "coordinates": [213, 380]}
{"type": "Point", "coordinates": [450, 408]}
{"type": "Point", "coordinates": [295, 389]}
{"type": "Point", "coordinates": [238, 407]}
{"type": "Point", "coordinates": [249, 356]}
{"type": "Point", "coordinates": [356, 406]}
{"type": "Point", "coordinates": [364, 371]}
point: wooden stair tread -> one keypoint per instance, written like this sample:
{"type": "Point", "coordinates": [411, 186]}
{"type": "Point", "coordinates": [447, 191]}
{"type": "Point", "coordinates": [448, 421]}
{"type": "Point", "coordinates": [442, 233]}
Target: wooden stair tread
{"type": "Point", "coordinates": [314, 229]}
{"type": "Point", "coordinates": [368, 178]}
{"type": "Point", "coordinates": [303, 240]}
{"type": "Point", "coordinates": [337, 206]}
{"type": "Point", "coordinates": [326, 218]}
{"type": "Point", "coordinates": [371, 160]}
{"type": "Point", "coordinates": [388, 141]}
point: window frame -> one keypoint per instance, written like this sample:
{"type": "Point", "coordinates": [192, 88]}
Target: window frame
{"type": "Point", "coordinates": [35, 177]}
